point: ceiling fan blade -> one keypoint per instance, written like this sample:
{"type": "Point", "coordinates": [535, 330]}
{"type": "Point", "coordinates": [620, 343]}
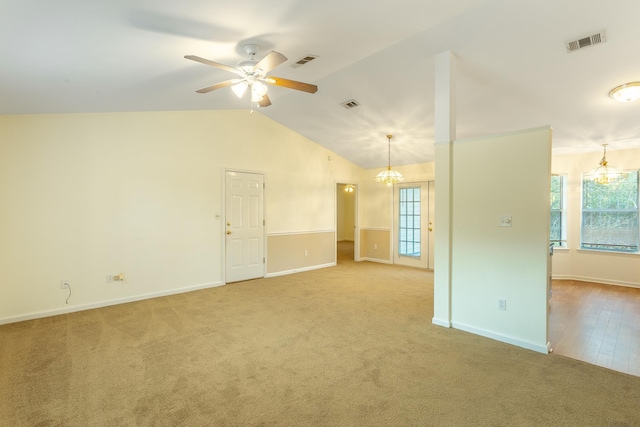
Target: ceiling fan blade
{"type": "Point", "coordinates": [271, 61]}
{"type": "Point", "coordinates": [218, 85]}
{"type": "Point", "coordinates": [291, 84]}
{"type": "Point", "coordinates": [213, 64]}
{"type": "Point", "coordinates": [265, 101]}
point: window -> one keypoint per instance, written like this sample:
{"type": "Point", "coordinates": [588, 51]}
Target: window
{"type": "Point", "coordinates": [610, 215]}
{"type": "Point", "coordinates": [558, 230]}
{"type": "Point", "coordinates": [409, 215]}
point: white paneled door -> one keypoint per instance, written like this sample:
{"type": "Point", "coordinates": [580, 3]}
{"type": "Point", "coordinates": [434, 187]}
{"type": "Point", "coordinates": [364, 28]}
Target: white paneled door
{"type": "Point", "coordinates": [244, 226]}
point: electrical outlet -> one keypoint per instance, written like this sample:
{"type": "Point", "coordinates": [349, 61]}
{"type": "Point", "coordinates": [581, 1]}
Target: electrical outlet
{"type": "Point", "coordinates": [306, 253]}
{"type": "Point", "coordinates": [375, 246]}
{"type": "Point", "coordinates": [502, 304]}
{"type": "Point", "coordinates": [64, 284]}
{"type": "Point", "coordinates": [505, 221]}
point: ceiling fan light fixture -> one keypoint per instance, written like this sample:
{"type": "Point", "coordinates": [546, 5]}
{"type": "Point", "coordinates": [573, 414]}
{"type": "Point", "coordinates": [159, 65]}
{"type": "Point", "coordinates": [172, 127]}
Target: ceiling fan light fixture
{"type": "Point", "coordinates": [389, 176]}
{"type": "Point", "coordinates": [240, 88]}
{"type": "Point", "coordinates": [246, 66]}
{"type": "Point", "coordinates": [258, 88]}
{"type": "Point", "coordinates": [626, 93]}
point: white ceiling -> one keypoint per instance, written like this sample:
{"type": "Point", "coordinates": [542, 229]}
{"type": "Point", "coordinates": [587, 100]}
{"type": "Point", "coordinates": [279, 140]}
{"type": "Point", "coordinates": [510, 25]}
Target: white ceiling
{"type": "Point", "coordinates": [513, 69]}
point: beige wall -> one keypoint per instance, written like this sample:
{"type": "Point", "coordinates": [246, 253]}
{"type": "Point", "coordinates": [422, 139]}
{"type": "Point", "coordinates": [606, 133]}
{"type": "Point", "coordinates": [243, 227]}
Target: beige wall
{"type": "Point", "coordinates": [87, 195]}
{"type": "Point", "coordinates": [375, 245]}
{"type": "Point", "coordinates": [290, 253]}
{"type": "Point", "coordinates": [593, 266]}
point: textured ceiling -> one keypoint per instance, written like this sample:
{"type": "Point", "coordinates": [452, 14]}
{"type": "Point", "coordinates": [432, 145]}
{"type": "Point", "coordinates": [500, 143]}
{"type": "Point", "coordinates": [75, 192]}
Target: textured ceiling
{"type": "Point", "coordinates": [513, 69]}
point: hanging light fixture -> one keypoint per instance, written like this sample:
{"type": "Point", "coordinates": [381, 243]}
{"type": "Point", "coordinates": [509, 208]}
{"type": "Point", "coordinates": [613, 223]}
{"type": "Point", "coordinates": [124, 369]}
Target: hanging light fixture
{"type": "Point", "coordinates": [626, 93]}
{"type": "Point", "coordinates": [389, 176]}
{"type": "Point", "coordinates": [349, 188]}
{"type": "Point", "coordinates": [605, 174]}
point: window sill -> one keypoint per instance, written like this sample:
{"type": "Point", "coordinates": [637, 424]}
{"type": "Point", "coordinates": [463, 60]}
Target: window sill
{"type": "Point", "coordinates": [608, 253]}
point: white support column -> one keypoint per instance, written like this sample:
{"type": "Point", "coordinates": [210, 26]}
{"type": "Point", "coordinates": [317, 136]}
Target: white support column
{"type": "Point", "coordinates": [445, 134]}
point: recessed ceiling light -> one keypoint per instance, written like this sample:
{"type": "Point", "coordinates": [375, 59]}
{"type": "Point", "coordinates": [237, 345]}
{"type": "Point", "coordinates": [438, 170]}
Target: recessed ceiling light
{"type": "Point", "coordinates": [626, 92]}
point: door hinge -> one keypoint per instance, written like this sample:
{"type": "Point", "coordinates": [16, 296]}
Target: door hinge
{"type": "Point", "coordinates": [263, 260]}
{"type": "Point", "coordinates": [264, 185]}
{"type": "Point", "coordinates": [264, 222]}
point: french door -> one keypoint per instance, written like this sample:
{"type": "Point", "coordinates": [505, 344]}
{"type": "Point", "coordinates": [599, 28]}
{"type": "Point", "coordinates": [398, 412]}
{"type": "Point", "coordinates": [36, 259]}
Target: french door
{"type": "Point", "coordinates": [414, 224]}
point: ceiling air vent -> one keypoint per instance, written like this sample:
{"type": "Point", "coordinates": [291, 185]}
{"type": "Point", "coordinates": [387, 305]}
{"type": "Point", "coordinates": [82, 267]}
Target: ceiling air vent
{"type": "Point", "coordinates": [586, 41]}
{"type": "Point", "coordinates": [304, 60]}
{"type": "Point", "coordinates": [352, 103]}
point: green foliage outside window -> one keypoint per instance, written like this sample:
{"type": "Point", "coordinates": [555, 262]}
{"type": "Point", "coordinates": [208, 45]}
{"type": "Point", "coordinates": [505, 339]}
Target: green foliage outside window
{"type": "Point", "coordinates": [557, 202]}
{"type": "Point", "coordinates": [610, 215]}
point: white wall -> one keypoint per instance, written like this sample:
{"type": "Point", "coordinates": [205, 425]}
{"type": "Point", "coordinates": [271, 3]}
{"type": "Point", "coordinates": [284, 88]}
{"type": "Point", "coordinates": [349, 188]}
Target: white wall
{"type": "Point", "coordinates": [593, 266]}
{"type": "Point", "coordinates": [492, 177]}
{"type": "Point", "coordinates": [86, 195]}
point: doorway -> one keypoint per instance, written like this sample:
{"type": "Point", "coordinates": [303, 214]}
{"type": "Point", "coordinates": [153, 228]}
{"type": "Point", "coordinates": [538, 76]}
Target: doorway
{"type": "Point", "coordinates": [346, 222]}
{"type": "Point", "coordinates": [244, 226]}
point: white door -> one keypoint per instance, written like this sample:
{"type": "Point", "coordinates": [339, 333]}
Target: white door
{"type": "Point", "coordinates": [413, 224]}
{"type": "Point", "coordinates": [244, 220]}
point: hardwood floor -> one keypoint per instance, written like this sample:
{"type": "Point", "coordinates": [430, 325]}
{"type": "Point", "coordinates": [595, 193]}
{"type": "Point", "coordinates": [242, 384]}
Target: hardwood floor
{"type": "Point", "coordinates": [596, 323]}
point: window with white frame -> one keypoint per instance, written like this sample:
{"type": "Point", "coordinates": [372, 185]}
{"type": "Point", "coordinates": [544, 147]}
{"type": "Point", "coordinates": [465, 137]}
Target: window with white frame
{"type": "Point", "coordinates": [558, 224]}
{"type": "Point", "coordinates": [610, 215]}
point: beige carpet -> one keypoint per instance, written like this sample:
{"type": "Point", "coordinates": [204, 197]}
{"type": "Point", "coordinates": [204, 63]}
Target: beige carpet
{"type": "Point", "coordinates": [351, 345]}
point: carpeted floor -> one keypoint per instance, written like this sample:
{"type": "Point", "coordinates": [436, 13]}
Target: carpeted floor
{"type": "Point", "coordinates": [351, 345]}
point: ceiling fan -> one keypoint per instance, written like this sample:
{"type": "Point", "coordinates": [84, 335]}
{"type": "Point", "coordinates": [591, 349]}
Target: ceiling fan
{"type": "Point", "coordinates": [253, 76]}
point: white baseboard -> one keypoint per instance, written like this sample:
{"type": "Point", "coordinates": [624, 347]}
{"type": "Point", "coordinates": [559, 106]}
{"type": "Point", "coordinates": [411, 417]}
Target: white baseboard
{"type": "Point", "coordinates": [381, 261]}
{"type": "Point", "coordinates": [82, 307]}
{"type": "Point", "coordinates": [441, 322]}
{"type": "Point", "coordinates": [299, 270]}
{"type": "Point", "coordinates": [540, 348]}
{"type": "Point", "coordinates": [596, 280]}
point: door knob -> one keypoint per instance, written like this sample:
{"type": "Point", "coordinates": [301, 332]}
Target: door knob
{"type": "Point", "coordinates": [228, 224]}
{"type": "Point", "coordinates": [228, 231]}
{"type": "Point", "coordinates": [430, 229]}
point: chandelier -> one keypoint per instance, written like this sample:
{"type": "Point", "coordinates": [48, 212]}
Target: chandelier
{"type": "Point", "coordinates": [605, 174]}
{"type": "Point", "coordinates": [389, 176]}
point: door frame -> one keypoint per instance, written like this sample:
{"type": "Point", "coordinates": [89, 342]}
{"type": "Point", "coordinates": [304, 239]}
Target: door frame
{"type": "Point", "coordinates": [223, 211]}
{"type": "Point", "coordinates": [425, 225]}
{"type": "Point", "coordinates": [356, 228]}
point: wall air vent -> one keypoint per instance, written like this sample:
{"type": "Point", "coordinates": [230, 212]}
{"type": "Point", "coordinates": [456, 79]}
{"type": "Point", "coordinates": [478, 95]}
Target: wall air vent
{"type": "Point", "coordinates": [352, 103]}
{"type": "Point", "coordinates": [586, 41]}
{"type": "Point", "coordinates": [304, 60]}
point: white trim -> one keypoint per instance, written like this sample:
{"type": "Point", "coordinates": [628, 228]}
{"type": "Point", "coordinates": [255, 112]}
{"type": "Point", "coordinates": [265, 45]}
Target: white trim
{"type": "Point", "coordinates": [299, 270]}
{"type": "Point", "coordinates": [595, 280]}
{"type": "Point", "coordinates": [608, 253]}
{"type": "Point", "coordinates": [73, 309]}
{"type": "Point", "coordinates": [381, 261]}
{"type": "Point", "coordinates": [441, 322]}
{"type": "Point", "coordinates": [291, 233]}
{"type": "Point", "coordinates": [540, 348]}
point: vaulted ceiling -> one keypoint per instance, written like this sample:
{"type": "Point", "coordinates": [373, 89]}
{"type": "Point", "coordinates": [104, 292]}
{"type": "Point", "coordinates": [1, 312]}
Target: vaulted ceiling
{"type": "Point", "coordinates": [513, 69]}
